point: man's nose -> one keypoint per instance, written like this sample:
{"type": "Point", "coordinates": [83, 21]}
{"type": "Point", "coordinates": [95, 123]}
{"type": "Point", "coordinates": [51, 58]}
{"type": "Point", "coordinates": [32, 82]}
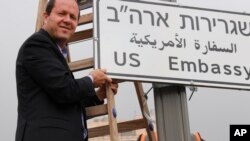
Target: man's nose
{"type": "Point", "coordinates": [67, 19]}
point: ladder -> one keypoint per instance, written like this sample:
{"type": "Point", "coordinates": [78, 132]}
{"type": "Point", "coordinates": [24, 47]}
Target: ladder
{"type": "Point", "coordinates": [114, 127]}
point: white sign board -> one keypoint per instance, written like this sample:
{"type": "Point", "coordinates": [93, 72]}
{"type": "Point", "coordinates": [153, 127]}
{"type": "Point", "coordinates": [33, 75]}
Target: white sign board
{"type": "Point", "coordinates": [162, 42]}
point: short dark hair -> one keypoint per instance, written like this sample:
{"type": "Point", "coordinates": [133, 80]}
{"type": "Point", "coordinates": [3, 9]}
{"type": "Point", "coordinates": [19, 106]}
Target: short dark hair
{"type": "Point", "coordinates": [51, 3]}
{"type": "Point", "coordinates": [50, 6]}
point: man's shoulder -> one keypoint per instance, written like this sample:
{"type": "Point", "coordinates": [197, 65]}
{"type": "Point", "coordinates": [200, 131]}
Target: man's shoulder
{"type": "Point", "coordinates": [39, 37]}
{"type": "Point", "coordinates": [38, 40]}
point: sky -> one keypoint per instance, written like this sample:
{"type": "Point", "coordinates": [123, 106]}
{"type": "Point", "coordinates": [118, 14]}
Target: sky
{"type": "Point", "coordinates": [211, 110]}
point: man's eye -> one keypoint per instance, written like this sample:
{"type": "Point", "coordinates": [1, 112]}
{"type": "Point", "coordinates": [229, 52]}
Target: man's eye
{"type": "Point", "coordinates": [61, 14]}
{"type": "Point", "coordinates": [73, 17]}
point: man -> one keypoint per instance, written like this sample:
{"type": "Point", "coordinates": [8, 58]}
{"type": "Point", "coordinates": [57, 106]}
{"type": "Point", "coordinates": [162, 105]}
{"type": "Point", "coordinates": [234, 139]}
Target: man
{"type": "Point", "coordinates": [50, 100]}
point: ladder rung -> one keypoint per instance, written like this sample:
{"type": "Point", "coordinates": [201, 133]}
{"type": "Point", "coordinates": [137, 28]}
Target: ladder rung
{"type": "Point", "coordinates": [85, 19]}
{"type": "Point", "coordinates": [81, 35]}
{"type": "Point", "coordinates": [81, 64]}
{"type": "Point", "coordinates": [122, 127]}
{"type": "Point", "coordinates": [84, 4]}
{"type": "Point", "coordinates": [131, 125]}
{"type": "Point", "coordinates": [98, 110]}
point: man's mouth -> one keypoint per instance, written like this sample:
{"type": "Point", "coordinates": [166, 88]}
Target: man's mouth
{"type": "Point", "coordinates": [64, 27]}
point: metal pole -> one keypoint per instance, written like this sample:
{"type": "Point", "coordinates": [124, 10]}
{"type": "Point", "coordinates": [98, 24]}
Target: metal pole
{"type": "Point", "coordinates": [171, 113]}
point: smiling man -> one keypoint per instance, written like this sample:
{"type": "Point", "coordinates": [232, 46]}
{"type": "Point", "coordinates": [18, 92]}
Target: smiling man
{"type": "Point", "coordinates": [51, 102]}
{"type": "Point", "coordinates": [61, 20]}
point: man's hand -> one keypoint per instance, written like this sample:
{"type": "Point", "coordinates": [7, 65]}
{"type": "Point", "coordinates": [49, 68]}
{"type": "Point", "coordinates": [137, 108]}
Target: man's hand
{"type": "Point", "coordinates": [99, 77]}
{"type": "Point", "coordinates": [101, 92]}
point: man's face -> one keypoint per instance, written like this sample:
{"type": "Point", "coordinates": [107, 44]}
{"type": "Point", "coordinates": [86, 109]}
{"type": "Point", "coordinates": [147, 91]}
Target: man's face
{"type": "Point", "coordinates": [62, 21]}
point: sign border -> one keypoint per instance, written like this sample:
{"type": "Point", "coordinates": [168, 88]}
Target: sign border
{"type": "Point", "coordinates": [180, 81]}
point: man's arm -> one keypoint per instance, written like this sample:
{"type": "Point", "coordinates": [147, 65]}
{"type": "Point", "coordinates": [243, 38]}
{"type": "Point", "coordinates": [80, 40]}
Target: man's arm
{"type": "Point", "coordinates": [48, 71]}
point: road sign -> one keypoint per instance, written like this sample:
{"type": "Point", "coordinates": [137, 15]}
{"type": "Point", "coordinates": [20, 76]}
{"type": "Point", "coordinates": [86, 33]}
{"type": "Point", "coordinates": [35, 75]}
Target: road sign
{"type": "Point", "coordinates": [161, 42]}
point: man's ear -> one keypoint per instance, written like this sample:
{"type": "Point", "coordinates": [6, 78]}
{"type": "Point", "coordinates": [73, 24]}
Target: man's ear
{"type": "Point", "coordinates": [45, 17]}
